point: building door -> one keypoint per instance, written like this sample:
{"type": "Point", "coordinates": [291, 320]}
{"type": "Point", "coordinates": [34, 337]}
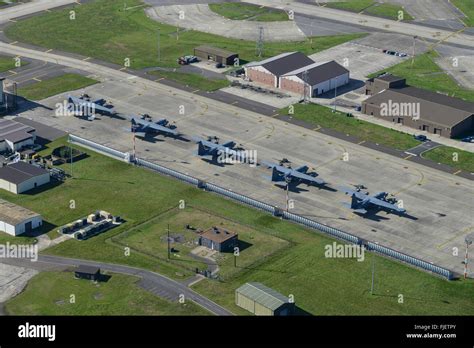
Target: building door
{"type": "Point", "coordinates": [28, 227]}
{"type": "Point", "coordinates": [400, 120]}
{"type": "Point", "coordinates": [426, 128]}
{"type": "Point", "coordinates": [437, 131]}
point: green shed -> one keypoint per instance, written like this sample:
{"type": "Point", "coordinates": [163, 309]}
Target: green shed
{"type": "Point", "coordinates": [261, 300]}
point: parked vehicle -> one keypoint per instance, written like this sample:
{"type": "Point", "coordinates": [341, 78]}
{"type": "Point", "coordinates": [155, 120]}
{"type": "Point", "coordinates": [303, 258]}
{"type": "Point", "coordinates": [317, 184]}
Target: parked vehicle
{"type": "Point", "coordinates": [185, 60]}
{"type": "Point", "coordinates": [469, 139]}
{"type": "Point", "coordinates": [420, 137]}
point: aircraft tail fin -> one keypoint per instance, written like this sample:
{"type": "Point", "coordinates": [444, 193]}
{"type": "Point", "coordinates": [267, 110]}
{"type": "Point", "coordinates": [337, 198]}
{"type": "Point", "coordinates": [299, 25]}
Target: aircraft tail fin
{"type": "Point", "coordinates": [275, 175]}
{"type": "Point", "coordinates": [202, 150]}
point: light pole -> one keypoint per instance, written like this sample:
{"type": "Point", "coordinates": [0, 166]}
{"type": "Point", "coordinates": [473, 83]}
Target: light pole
{"type": "Point", "coordinates": [373, 273]}
{"type": "Point", "coordinates": [159, 47]}
{"type": "Point", "coordinates": [468, 241]}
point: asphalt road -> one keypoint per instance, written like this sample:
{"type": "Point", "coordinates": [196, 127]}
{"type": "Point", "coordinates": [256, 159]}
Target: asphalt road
{"type": "Point", "coordinates": [432, 34]}
{"type": "Point", "coordinates": [150, 281]}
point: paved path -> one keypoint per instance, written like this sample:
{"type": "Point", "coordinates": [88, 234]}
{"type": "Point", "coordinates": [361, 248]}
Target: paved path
{"type": "Point", "coordinates": [155, 283]}
{"type": "Point", "coordinates": [30, 7]}
{"type": "Point", "coordinates": [422, 148]}
{"type": "Point", "coordinates": [200, 17]}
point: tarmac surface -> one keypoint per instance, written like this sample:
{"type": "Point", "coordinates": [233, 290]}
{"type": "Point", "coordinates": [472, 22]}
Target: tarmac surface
{"type": "Point", "coordinates": [439, 205]}
{"type": "Point", "coordinates": [200, 17]}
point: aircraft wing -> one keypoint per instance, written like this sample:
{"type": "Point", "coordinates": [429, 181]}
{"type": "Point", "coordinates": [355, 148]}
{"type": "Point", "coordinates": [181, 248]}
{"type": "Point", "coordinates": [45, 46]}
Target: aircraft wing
{"type": "Point", "coordinates": [383, 204]}
{"type": "Point", "coordinates": [101, 108]}
{"type": "Point", "coordinates": [161, 129]}
{"type": "Point", "coordinates": [306, 177]}
{"type": "Point", "coordinates": [269, 164]}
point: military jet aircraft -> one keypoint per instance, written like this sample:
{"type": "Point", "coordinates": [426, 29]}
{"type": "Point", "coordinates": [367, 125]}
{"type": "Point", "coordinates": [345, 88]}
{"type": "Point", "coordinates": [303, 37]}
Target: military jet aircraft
{"type": "Point", "coordinates": [212, 148]}
{"type": "Point", "coordinates": [284, 175]}
{"type": "Point", "coordinates": [84, 107]}
{"type": "Point", "coordinates": [361, 201]}
{"type": "Point", "coordinates": [145, 126]}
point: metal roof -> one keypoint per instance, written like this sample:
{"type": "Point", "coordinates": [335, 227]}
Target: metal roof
{"type": "Point", "coordinates": [217, 235]}
{"type": "Point", "coordinates": [216, 51]}
{"type": "Point", "coordinates": [14, 214]}
{"type": "Point", "coordinates": [11, 130]}
{"type": "Point", "coordinates": [283, 63]}
{"type": "Point", "coordinates": [263, 295]}
{"type": "Point", "coordinates": [319, 72]}
{"type": "Point", "coordinates": [87, 269]}
{"type": "Point", "coordinates": [19, 172]}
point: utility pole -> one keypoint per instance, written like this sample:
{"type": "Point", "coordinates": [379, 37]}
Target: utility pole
{"type": "Point", "coordinates": [169, 251]}
{"type": "Point", "coordinates": [159, 46]}
{"type": "Point", "coordinates": [259, 50]}
{"type": "Point", "coordinates": [373, 273]}
{"type": "Point", "coordinates": [468, 241]}
{"type": "Point", "coordinates": [70, 155]}
{"type": "Point", "coordinates": [413, 51]}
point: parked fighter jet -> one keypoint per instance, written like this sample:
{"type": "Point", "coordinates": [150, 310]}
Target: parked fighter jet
{"type": "Point", "coordinates": [145, 125]}
{"type": "Point", "coordinates": [84, 107]}
{"type": "Point", "coordinates": [361, 202]}
{"type": "Point", "coordinates": [283, 175]}
{"type": "Point", "coordinates": [212, 148]}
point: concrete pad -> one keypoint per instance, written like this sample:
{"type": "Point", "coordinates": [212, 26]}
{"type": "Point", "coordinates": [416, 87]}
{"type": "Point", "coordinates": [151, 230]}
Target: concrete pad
{"type": "Point", "coordinates": [13, 280]}
{"type": "Point", "coordinates": [200, 17]}
{"type": "Point", "coordinates": [439, 204]}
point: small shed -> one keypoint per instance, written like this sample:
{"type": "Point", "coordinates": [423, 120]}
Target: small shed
{"type": "Point", "coordinates": [87, 272]}
{"type": "Point", "coordinates": [215, 54]}
{"type": "Point", "coordinates": [219, 239]}
{"type": "Point", "coordinates": [261, 300]}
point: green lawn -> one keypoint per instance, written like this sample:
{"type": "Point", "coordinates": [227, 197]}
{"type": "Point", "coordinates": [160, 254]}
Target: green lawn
{"type": "Point", "coordinates": [323, 116]}
{"type": "Point", "coordinates": [150, 238]}
{"type": "Point", "coordinates": [239, 11]}
{"type": "Point", "coordinates": [6, 63]}
{"type": "Point", "coordinates": [130, 34]}
{"type": "Point", "coordinates": [466, 6]}
{"type": "Point", "coordinates": [371, 7]}
{"type": "Point", "coordinates": [56, 85]}
{"type": "Point", "coordinates": [323, 286]}
{"type": "Point", "coordinates": [426, 74]}
{"type": "Point", "coordinates": [193, 80]}
{"type": "Point", "coordinates": [48, 293]}
{"type": "Point", "coordinates": [299, 269]}
{"type": "Point", "coordinates": [447, 155]}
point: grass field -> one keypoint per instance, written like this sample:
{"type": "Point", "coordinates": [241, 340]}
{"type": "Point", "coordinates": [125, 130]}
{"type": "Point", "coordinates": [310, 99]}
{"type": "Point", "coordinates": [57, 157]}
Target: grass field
{"type": "Point", "coordinates": [8, 63]}
{"type": "Point", "coordinates": [446, 155]}
{"type": "Point", "coordinates": [130, 34]}
{"type": "Point", "coordinates": [426, 74]}
{"type": "Point", "coordinates": [150, 238]}
{"type": "Point", "coordinates": [193, 80]}
{"type": "Point", "coordinates": [239, 11]}
{"type": "Point", "coordinates": [323, 286]}
{"type": "Point", "coordinates": [48, 293]}
{"type": "Point", "coordinates": [323, 116]}
{"type": "Point", "coordinates": [56, 85]}
{"type": "Point", "coordinates": [371, 7]}
{"type": "Point", "coordinates": [466, 6]}
{"type": "Point", "coordinates": [320, 285]}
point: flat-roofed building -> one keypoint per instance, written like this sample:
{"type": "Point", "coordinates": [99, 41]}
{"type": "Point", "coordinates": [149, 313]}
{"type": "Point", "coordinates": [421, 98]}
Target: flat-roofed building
{"type": "Point", "coordinates": [418, 108]}
{"type": "Point", "coordinates": [215, 54]}
{"type": "Point", "coordinates": [16, 220]}
{"type": "Point", "coordinates": [219, 239]}
{"type": "Point", "coordinates": [262, 300]}
{"type": "Point", "coordinates": [14, 136]}
{"type": "Point", "coordinates": [268, 71]}
{"type": "Point", "coordinates": [319, 78]}
{"type": "Point", "coordinates": [21, 177]}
